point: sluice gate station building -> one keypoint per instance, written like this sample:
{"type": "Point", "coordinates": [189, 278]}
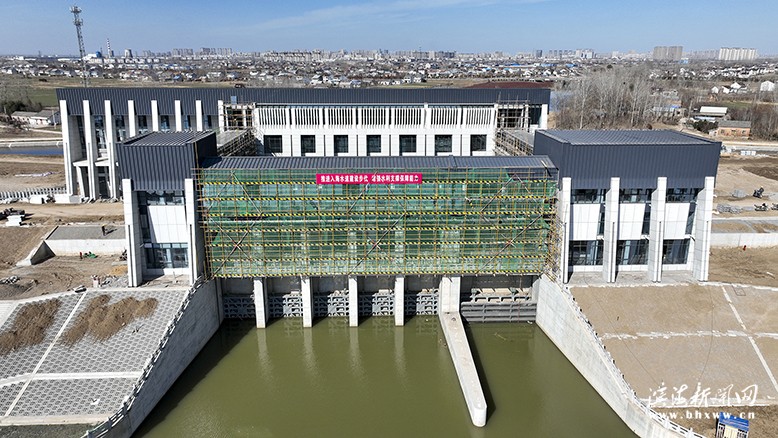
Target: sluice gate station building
{"type": "Point", "coordinates": [376, 201]}
{"type": "Point", "coordinates": [351, 203]}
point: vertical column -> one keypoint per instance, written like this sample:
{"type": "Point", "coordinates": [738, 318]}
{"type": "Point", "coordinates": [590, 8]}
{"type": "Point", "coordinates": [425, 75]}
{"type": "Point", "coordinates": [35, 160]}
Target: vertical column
{"type": "Point", "coordinates": [361, 145]}
{"type": "Point", "coordinates": [565, 207]}
{"type": "Point", "coordinates": [80, 180]}
{"type": "Point", "coordinates": [260, 302]}
{"type": "Point", "coordinates": [154, 116]}
{"type": "Point", "coordinates": [305, 290]}
{"type": "Point", "coordinates": [133, 237]}
{"type": "Point", "coordinates": [353, 301]}
{"type": "Point", "coordinates": [329, 145]}
{"type": "Point", "coordinates": [657, 230]}
{"type": "Point", "coordinates": [132, 118]}
{"type": "Point", "coordinates": [67, 141]}
{"type": "Point", "coordinates": [611, 232]}
{"type": "Point", "coordinates": [703, 216]}
{"type": "Point", "coordinates": [543, 123]}
{"type": "Point", "coordinates": [220, 109]}
{"type": "Point", "coordinates": [177, 110]}
{"type": "Point", "coordinates": [399, 300]}
{"type": "Point", "coordinates": [448, 294]}
{"type": "Point", "coordinates": [199, 114]}
{"type": "Point", "coordinates": [110, 144]}
{"type": "Point", "coordinates": [91, 152]}
{"type": "Point", "coordinates": [193, 242]}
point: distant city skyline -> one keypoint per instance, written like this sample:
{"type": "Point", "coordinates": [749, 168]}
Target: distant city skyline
{"type": "Point", "coordinates": [510, 26]}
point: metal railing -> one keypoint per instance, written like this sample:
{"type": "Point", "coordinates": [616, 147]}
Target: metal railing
{"type": "Point", "coordinates": [22, 194]}
{"type": "Point", "coordinates": [103, 428]}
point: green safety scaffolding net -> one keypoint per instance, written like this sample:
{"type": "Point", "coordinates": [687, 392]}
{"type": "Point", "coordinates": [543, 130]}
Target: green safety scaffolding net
{"type": "Point", "coordinates": [283, 222]}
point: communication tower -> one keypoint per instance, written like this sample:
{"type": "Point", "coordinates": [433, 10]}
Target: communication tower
{"type": "Point", "coordinates": [79, 22]}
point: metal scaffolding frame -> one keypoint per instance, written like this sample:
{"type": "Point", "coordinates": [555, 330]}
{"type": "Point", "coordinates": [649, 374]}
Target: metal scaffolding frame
{"type": "Point", "coordinates": [280, 222]}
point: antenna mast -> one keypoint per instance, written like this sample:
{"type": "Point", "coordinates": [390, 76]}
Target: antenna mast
{"type": "Point", "coordinates": [79, 22]}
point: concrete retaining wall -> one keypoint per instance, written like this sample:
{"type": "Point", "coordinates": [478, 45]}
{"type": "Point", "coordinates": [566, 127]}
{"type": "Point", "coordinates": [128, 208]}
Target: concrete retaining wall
{"type": "Point", "coordinates": [561, 319]}
{"type": "Point", "coordinates": [198, 323]}
{"type": "Point", "coordinates": [73, 247]}
{"type": "Point", "coordinates": [753, 240]}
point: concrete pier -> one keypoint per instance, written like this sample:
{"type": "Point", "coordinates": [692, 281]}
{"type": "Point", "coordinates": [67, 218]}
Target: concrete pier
{"type": "Point", "coordinates": [307, 293]}
{"type": "Point", "coordinates": [459, 348]}
{"type": "Point", "coordinates": [399, 300]}
{"type": "Point", "coordinates": [260, 302]}
{"type": "Point", "coordinates": [353, 303]}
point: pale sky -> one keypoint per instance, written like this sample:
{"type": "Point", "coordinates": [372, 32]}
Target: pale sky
{"type": "Point", "coordinates": [29, 26]}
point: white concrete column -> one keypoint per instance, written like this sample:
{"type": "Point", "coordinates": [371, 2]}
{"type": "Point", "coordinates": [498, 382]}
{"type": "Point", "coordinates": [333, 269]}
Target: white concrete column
{"type": "Point", "coordinates": [703, 215]}
{"type": "Point", "coordinates": [657, 230]}
{"type": "Point", "coordinates": [353, 301]}
{"type": "Point", "coordinates": [179, 115]}
{"type": "Point", "coordinates": [134, 239]}
{"type": "Point", "coordinates": [325, 117]}
{"type": "Point", "coordinates": [361, 145]}
{"type": "Point", "coordinates": [399, 300]}
{"type": "Point", "coordinates": [611, 234]}
{"type": "Point", "coordinates": [565, 208]}
{"type": "Point", "coordinates": [329, 145]}
{"type": "Point", "coordinates": [448, 294]}
{"type": "Point", "coordinates": [427, 117]}
{"type": "Point", "coordinates": [543, 123]}
{"type": "Point", "coordinates": [220, 109]}
{"type": "Point", "coordinates": [307, 293]}
{"type": "Point", "coordinates": [260, 302]}
{"type": "Point", "coordinates": [110, 143]}
{"type": "Point", "coordinates": [80, 180]}
{"type": "Point", "coordinates": [193, 249]}
{"type": "Point", "coordinates": [67, 142]}
{"type": "Point", "coordinates": [154, 116]}
{"type": "Point", "coordinates": [133, 118]}
{"type": "Point", "coordinates": [91, 152]}
{"type": "Point", "coordinates": [199, 115]}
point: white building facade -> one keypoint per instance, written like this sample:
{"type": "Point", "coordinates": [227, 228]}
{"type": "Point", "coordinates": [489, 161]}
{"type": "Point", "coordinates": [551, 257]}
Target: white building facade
{"type": "Point", "coordinates": [291, 122]}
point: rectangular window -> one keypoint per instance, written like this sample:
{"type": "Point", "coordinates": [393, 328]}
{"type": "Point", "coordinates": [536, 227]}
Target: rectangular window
{"type": "Point", "coordinates": [631, 252]}
{"type": "Point", "coordinates": [143, 125]}
{"type": "Point", "coordinates": [373, 144]}
{"type": "Point", "coordinates": [586, 252]}
{"type": "Point", "coordinates": [99, 132]}
{"type": "Point", "coordinates": [443, 144]}
{"type": "Point", "coordinates": [274, 144]}
{"type": "Point", "coordinates": [477, 143]}
{"type": "Point", "coordinates": [167, 255]}
{"type": "Point", "coordinates": [587, 196]}
{"type": "Point", "coordinates": [187, 123]}
{"type": "Point", "coordinates": [646, 220]}
{"type": "Point", "coordinates": [682, 195]}
{"type": "Point", "coordinates": [674, 252]}
{"type": "Point", "coordinates": [407, 144]}
{"type": "Point", "coordinates": [308, 144]}
{"type": "Point", "coordinates": [634, 196]}
{"type": "Point", "coordinates": [341, 144]}
{"type": "Point", "coordinates": [121, 130]}
{"type": "Point", "coordinates": [690, 218]}
{"type": "Point", "coordinates": [208, 122]}
{"type": "Point", "coordinates": [161, 198]}
{"type": "Point", "coordinates": [164, 123]}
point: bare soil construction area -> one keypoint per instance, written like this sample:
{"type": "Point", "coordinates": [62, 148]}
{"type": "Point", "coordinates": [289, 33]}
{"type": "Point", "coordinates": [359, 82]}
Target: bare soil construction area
{"type": "Point", "coordinates": [757, 266]}
{"type": "Point", "coordinates": [18, 172]}
{"type": "Point", "coordinates": [747, 174]}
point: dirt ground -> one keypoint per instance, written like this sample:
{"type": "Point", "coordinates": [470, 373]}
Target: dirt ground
{"type": "Point", "coordinates": [101, 320]}
{"type": "Point", "coordinates": [29, 326]}
{"type": "Point", "coordinates": [19, 172]}
{"type": "Point", "coordinates": [757, 266]}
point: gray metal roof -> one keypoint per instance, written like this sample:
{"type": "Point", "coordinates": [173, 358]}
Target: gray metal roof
{"type": "Point", "coordinates": [448, 162]}
{"type": "Point", "coordinates": [626, 137]}
{"type": "Point", "coordinates": [180, 138]}
{"type": "Point", "coordinates": [592, 158]}
{"type": "Point", "coordinates": [734, 124]}
{"type": "Point", "coordinates": [166, 97]}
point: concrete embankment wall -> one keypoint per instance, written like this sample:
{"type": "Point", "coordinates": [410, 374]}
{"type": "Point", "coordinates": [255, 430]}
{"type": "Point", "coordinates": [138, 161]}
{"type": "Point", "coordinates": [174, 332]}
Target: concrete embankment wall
{"type": "Point", "coordinates": [751, 240]}
{"type": "Point", "coordinates": [198, 323]}
{"type": "Point", "coordinates": [562, 321]}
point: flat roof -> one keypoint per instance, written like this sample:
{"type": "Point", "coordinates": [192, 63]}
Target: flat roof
{"type": "Point", "coordinates": [350, 163]}
{"type": "Point", "coordinates": [626, 137]}
{"type": "Point", "coordinates": [167, 138]}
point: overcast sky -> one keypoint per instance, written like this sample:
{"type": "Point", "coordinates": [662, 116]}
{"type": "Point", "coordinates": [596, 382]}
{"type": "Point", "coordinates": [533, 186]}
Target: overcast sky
{"type": "Point", "coordinates": [29, 26]}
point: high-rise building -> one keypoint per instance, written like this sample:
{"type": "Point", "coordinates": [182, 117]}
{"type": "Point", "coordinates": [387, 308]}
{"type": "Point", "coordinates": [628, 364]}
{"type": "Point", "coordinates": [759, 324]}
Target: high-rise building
{"type": "Point", "coordinates": [737, 54]}
{"type": "Point", "coordinates": [668, 53]}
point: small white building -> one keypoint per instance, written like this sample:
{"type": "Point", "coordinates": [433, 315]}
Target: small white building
{"type": "Point", "coordinates": [768, 86]}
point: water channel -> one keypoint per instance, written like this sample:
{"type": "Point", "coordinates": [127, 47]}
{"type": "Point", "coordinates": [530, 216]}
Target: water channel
{"type": "Point", "coordinates": [376, 381]}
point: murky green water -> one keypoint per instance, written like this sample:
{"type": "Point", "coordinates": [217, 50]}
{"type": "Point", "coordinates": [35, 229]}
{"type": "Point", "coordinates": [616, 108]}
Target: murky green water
{"type": "Point", "coordinates": [376, 381]}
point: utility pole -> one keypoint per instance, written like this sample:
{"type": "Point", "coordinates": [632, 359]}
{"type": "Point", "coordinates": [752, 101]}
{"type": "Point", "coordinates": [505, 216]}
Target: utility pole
{"type": "Point", "coordinates": [79, 22]}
